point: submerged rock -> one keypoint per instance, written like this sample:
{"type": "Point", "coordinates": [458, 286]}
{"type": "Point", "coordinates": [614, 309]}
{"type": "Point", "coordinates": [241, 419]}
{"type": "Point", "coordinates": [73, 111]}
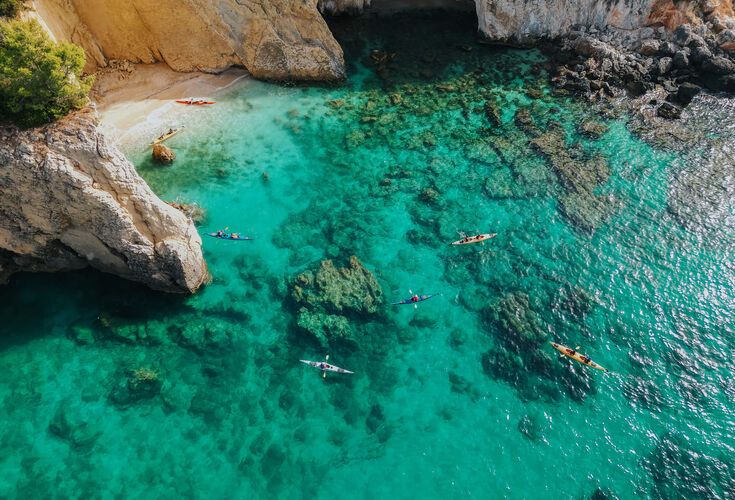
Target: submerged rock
{"type": "Point", "coordinates": [680, 470]}
{"type": "Point", "coordinates": [530, 427]}
{"type": "Point", "coordinates": [79, 431]}
{"type": "Point", "coordinates": [522, 356]}
{"type": "Point", "coordinates": [329, 298]}
{"type": "Point", "coordinates": [138, 385]}
{"type": "Point", "coordinates": [593, 128]}
{"type": "Point", "coordinates": [580, 176]}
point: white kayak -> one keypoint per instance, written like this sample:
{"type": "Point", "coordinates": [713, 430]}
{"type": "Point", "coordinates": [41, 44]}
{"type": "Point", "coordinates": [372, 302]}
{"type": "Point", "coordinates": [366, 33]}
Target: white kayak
{"type": "Point", "coordinates": [324, 366]}
{"type": "Point", "coordinates": [474, 239]}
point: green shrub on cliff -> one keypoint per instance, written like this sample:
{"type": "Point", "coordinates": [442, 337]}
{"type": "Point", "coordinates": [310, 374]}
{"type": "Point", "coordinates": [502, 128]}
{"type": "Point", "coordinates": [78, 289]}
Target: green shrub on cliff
{"type": "Point", "coordinates": [40, 80]}
{"type": "Point", "coordinates": [10, 8]}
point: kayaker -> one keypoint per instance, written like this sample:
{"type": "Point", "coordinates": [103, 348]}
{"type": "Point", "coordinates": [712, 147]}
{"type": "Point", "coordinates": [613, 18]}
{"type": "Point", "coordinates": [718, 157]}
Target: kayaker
{"type": "Point", "coordinates": [235, 236]}
{"type": "Point", "coordinates": [415, 298]}
{"type": "Point", "coordinates": [220, 233]}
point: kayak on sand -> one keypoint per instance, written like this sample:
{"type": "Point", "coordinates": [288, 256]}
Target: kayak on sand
{"type": "Point", "coordinates": [192, 101]}
{"type": "Point", "coordinates": [571, 353]}
{"type": "Point", "coordinates": [474, 239]}
{"type": "Point", "coordinates": [325, 367]}
{"type": "Point", "coordinates": [230, 236]}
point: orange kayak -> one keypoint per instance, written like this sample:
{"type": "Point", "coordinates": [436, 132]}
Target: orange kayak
{"type": "Point", "coordinates": [571, 353]}
{"type": "Point", "coordinates": [195, 102]}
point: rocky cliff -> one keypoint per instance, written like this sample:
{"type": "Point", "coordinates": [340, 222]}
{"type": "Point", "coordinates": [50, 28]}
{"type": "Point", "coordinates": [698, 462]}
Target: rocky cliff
{"type": "Point", "coordinates": [289, 40]}
{"type": "Point", "coordinates": [70, 200]}
{"type": "Point", "coordinates": [524, 21]}
{"type": "Point", "coordinates": [273, 39]}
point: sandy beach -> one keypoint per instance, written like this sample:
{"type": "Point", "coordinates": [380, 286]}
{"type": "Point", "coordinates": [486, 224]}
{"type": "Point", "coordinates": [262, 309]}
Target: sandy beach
{"type": "Point", "coordinates": [136, 102]}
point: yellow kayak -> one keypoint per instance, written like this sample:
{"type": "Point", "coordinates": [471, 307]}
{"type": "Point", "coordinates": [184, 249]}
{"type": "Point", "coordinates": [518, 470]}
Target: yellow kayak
{"type": "Point", "coordinates": [168, 135]}
{"type": "Point", "coordinates": [571, 353]}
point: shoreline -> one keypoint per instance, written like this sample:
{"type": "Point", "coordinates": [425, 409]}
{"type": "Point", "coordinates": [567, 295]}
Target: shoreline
{"type": "Point", "coordinates": [136, 104]}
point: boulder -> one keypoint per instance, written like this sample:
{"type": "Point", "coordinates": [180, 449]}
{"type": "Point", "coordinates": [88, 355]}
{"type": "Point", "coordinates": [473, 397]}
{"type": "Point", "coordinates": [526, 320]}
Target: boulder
{"type": "Point", "coordinates": [668, 49]}
{"type": "Point", "coordinates": [649, 47]}
{"type": "Point", "coordinates": [682, 34]}
{"type": "Point", "coordinates": [700, 55]}
{"type": "Point", "coordinates": [718, 66]}
{"type": "Point", "coordinates": [681, 60]}
{"type": "Point", "coordinates": [725, 36]}
{"type": "Point", "coordinates": [726, 40]}
{"type": "Point", "coordinates": [163, 154]}
{"type": "Point", "coordinates": [668, 111]}
{"type": "Point", "coordinates": [594, 129]}
{"type": "Point", "coordinates": [686, 92]}
{"type": "Point", "coordinates": [663, 65]}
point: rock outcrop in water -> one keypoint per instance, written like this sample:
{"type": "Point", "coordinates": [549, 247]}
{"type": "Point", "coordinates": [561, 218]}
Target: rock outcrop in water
{"type": "Point", "coordinates": [682, 62]}
{"type": "Point", "coordinates": [273, 39]}
{"type": "Point", "coordinates": [70, 200]}
{"type": "Point", "coordinates": [330, 298]}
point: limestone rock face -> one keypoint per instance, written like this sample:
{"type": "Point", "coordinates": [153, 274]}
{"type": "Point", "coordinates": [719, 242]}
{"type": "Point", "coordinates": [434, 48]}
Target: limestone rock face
{"type": "Point", "coordinates": [273, 39]}
{"type": "Point", "coordinates": [341, 6]}
{"type": "Point", "coordinates": [289, 40]}
{"type": "Point", "coordinates": [69, 200]}
{"type": "Point", "coordinates": [521, 21]}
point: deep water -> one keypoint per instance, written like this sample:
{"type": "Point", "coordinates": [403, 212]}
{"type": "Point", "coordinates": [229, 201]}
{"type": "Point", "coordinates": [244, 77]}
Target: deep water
{"type": "Point", "coordinates": [619, 245]}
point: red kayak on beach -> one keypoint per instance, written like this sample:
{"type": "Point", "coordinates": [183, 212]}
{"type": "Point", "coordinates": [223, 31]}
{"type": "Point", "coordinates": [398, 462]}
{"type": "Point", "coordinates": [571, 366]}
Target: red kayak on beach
{"type": "Point", "coordinates": [195, 102]}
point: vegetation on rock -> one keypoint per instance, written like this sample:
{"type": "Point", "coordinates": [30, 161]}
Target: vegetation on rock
{"type": "Point", "coordinates": [10, 8]}
{"type": "Point", "coordinates": [40, 80]}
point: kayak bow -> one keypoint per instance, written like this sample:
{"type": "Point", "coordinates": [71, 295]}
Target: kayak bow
{"type": "Point", "coordinates": [581, 358]}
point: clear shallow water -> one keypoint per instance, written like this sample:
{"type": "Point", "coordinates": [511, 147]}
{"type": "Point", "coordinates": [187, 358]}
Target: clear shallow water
{"type": "Point", "coordinates": [462, 397]}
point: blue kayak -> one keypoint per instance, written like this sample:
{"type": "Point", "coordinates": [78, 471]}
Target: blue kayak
{"type": "Point", "coordinates": [415, 300]}
{"type": "Point", "coordinates": [228, 236]}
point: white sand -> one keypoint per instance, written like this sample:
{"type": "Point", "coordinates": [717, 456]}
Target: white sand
{"type": "Point", "coordinates": [136, 104]}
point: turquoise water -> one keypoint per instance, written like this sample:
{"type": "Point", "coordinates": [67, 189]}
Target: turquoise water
{"type": "Point", "coordinates": [628, 256]}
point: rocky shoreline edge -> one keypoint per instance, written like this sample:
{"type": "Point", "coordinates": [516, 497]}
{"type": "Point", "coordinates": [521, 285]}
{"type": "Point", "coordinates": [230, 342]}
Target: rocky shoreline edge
{"type": "Point", "coordinates": [600, 64]}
